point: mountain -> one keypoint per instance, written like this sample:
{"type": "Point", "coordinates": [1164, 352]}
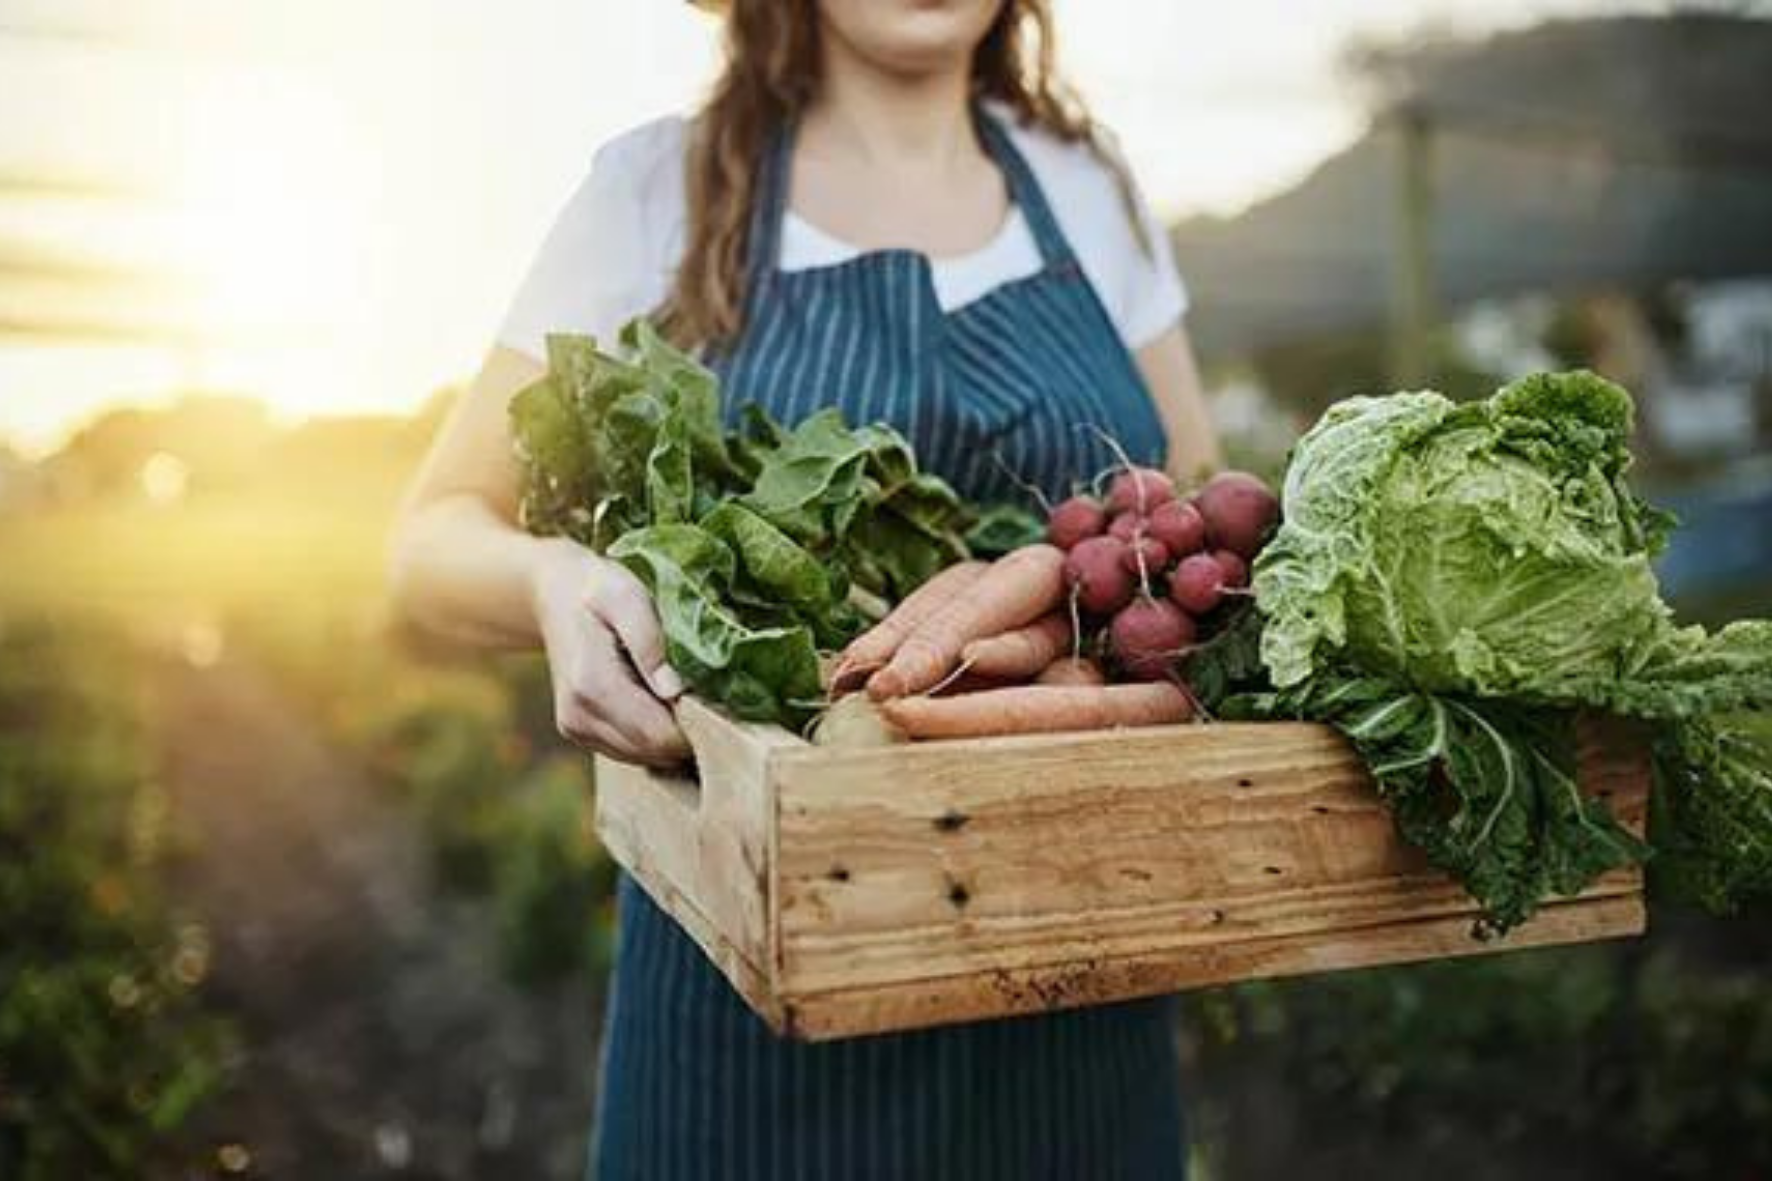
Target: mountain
{"type": "Point", "coordinates": [1576, 155]}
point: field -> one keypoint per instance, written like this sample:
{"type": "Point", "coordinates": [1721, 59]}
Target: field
{"type": "Point", "coordinates": [385, 858]}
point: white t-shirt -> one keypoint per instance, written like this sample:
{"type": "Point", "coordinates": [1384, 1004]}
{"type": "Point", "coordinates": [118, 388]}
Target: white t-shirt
{"type": "Point", "coordinates": [613, 252]}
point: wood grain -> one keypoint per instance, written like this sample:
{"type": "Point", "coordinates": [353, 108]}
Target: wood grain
{"type": "Point", "coordinates": [854, 891]}
{"type": "Point", "coordinates": [921, 1004]}
{"type": "Point", "coordinates": [701, 845]}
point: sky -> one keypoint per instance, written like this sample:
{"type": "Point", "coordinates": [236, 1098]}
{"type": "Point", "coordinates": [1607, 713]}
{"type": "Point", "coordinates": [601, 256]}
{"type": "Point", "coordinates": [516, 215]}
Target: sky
{"type": "Point", "coordinates": [327, 204]}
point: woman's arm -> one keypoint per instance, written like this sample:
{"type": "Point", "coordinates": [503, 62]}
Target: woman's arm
{"type": "Point", "coordinates": [1174, 380]}
{"type": "Point", "coordinates": [462, 568]}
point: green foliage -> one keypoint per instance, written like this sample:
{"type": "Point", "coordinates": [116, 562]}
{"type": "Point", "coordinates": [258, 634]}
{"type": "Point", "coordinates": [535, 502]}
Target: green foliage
{"type": "Point", "coordinates": [1714, 801]}
{"type": "Point", "coordinates": [1634, 1063]}
{"type": "Point", "coordinates": [1450, 583]}
{"type": "Point", "coordinates": [759, 673]}
{"type": "Point", "coordinates": [105, 1045]}
{"type": "Point", "coordinates": [752, 540]}
{"type": "Point", "coordinates": [1002, 528]}
{"type": "Point", "coordinates": [504, 813]}
{"type": "Point", "coordinates": [554, 884]}
{"type": "Point", "coordinates": [1485, 787]}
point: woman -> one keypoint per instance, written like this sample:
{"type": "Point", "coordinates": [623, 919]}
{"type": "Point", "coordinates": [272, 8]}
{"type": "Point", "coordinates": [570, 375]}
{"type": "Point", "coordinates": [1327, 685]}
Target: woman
{"type": "Point", "coordinates": [889, 206]}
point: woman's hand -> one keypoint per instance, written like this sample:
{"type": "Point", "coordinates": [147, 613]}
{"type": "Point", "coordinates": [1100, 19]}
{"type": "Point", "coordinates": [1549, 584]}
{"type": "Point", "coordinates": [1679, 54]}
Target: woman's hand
{"type": "Point", "coordinates": [607, 657]}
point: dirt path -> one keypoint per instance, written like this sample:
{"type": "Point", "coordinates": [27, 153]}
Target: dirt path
{"type": "Point", "coordinates": [380, 1038]}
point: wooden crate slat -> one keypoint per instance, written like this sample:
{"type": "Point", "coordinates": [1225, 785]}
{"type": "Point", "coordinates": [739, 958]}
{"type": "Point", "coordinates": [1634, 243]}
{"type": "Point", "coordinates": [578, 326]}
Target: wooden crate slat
{"type": "Point", "coordinates": [925, 1003]}
{"type": "Point", "coordinates": [854, 891]}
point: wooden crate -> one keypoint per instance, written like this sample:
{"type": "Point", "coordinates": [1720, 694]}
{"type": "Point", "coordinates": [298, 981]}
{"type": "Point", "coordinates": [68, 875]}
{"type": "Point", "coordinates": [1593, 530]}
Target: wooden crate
{"type": "Point", "coordinates": [848, 892]}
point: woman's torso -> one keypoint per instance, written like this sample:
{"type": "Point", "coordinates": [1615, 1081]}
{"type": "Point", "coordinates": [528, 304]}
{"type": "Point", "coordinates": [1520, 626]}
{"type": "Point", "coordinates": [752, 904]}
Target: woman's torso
{"type": "Point", "coordinates": [1010, 388]}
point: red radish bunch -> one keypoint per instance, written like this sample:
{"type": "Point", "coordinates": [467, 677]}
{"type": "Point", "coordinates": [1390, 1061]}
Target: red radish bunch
{"type": "Point", "coordinates": [1124, 587]}
{"type": "Point", "coordinates": [1149, 568]}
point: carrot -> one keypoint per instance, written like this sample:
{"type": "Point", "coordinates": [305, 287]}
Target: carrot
{"type": "Point", "coordinates": [877, 645]}
{"type": "Point", "coordinates": [1016, 590]}
{"type": "Point", "coordinates": [1037, 709]}
{"type": "Point", "coordinates": [1022, 652]}
{"type": "Point", "coordinates": [1072, 670]}
{"type": "Point", "coordinates": [970, 682]}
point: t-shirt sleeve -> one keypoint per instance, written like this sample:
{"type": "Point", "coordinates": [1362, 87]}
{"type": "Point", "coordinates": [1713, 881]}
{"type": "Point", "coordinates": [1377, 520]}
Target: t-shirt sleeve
{"type": "Point", "coordinates": [607, 258]}
{"type": "Point", "coordinates": [1154, 298]}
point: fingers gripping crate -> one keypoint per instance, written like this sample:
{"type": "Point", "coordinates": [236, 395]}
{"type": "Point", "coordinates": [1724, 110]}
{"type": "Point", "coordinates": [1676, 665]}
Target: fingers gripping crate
{"type": "Point", "coordinates": [857, 891]}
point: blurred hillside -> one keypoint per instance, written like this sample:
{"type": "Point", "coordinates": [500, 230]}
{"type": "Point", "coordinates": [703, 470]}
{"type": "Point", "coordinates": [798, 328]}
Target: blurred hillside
{"type": "Point", "coordinates": [1574, 156]}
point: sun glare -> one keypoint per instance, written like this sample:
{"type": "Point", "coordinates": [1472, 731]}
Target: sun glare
{"type": "Point", "coordinates": [275, 211]}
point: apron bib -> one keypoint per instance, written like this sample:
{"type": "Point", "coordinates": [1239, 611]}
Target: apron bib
{"type": "Point", "coordinates": [1008, 391]}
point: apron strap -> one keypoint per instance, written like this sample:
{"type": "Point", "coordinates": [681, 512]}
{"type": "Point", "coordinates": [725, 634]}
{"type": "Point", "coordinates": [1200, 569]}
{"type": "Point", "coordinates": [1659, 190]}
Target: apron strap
{"type": "Point", "coordinates": [767, 211]}
{"type": "Point", "coordinates": [768, 207]}
{"type": "Point", "coordinates": [1024, 189]}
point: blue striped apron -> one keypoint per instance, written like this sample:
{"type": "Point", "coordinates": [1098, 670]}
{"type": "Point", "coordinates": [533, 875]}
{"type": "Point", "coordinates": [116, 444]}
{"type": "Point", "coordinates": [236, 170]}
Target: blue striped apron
{"type": "Point", "coordinates": [694, 1085]}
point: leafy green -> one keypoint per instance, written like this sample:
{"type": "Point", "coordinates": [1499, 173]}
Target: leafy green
{"type": "Point", "coordinates": [1713, 806]}
{"type": "Point", "coordinates": [1229, 662]}
{"type": "Point", "coordinates": [1485, 788]}
{"type": "Point", "coordinates": [1451, 582]}
{"type": "Point", "coordinates": [763, 674]}
{"type": "Point", "coordinates": [1003, 528]}
{"type": "Point", "coordinates": [757, 543]}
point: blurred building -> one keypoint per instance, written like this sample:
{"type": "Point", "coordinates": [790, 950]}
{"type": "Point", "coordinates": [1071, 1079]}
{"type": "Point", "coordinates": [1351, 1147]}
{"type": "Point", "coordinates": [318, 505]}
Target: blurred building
{"type": "Point", "coordinates": [1591, 192]}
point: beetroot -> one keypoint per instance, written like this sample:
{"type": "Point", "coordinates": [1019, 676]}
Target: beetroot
{"type": "Point", "coordinates": [1126, 526]}
{"type": "Point", "coordinates": [1239, 510]}
{"type": "Point", "coordinates": [1236, 570]}
{"type": "Point", "coordinates": [1139, 490]}
{"type": "Point", "coordinates": [1148, 636]}
{"type": "Point", "coordinates": [1197, 584]}
{"type": "Point", "coordinates": [1179, 526]}
{"type": "Point", "coordinates": [1096, 572]}
{"type": "Point", "coordinates": [1153, 552]}
{"type": "Point", "coordinates": [1078, 518]}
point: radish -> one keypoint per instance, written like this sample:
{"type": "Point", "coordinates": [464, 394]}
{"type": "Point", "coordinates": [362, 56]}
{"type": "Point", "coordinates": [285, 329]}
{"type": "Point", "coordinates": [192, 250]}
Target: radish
{"type": "Point", "coordinates": [1236, 570]}
{"type": "Point", "coordinates": [1198, 583]}
{"type": "Point", "coordinates": [1126, 526]}
{"type": "Point", "coordinates": [1096, 572]}
{"type": "Point", "coordinates": [1146, 556]}
{"type": "Point", "coordinates": [1179, 526]}
{"type": "Point", "coordinates": [1239, 510]}
{"type": "Point", "coordinates": [1139, 490]}
{"type": "Point", "coordinates": [1148, 636]}
{"type": "Point", "coordinates": [1074, 520]}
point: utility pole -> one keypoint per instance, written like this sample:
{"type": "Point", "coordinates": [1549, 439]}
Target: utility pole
{"type": "Point", "coordinates": [1412, 312]}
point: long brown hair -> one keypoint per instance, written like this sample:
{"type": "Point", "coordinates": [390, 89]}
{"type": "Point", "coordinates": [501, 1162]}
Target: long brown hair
{"type": "Point", "coordinates": [772, 73]}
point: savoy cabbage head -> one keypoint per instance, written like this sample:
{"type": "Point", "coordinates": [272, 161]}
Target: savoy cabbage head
{"type": "Point", "coordinates": [1489, 548]}
{"type": "Point", "coordinates": [1452, 583]}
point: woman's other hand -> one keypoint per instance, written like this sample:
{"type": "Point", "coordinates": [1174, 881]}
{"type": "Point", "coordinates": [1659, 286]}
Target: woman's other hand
{"type": "Point", "coordinates": [606, 655]}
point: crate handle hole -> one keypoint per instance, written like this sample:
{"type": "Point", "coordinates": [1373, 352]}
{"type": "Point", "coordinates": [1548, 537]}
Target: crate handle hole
{"type": "Point", "coordinates": [682, 783]}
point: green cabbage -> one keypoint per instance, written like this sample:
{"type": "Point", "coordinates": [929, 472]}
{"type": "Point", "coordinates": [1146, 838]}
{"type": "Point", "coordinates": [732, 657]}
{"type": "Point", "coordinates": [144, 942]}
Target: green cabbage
{"type": "Point", "coordinates": [1451, 583]}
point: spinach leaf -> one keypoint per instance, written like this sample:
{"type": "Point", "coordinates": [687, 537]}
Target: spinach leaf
{"type": "Point", "coordinates": [762, 674]}
{"type": "Point", "coordinates": [754, 542]}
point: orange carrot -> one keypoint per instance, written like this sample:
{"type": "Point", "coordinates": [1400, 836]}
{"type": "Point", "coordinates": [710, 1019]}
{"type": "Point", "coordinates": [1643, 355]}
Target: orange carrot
{"type": "Point", "coordinates": [877, 645]}
{"type": "Point", "coordinates": [969, 682]}
{"type": "Point", "coordinates": [1036, 709]}
{"type": "Point", "coordinates": [1072, 670]}
{"type": "Point", "coordinates": [1022, 652]}
{"type": "Point", "coordinates": [1015, 591]}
